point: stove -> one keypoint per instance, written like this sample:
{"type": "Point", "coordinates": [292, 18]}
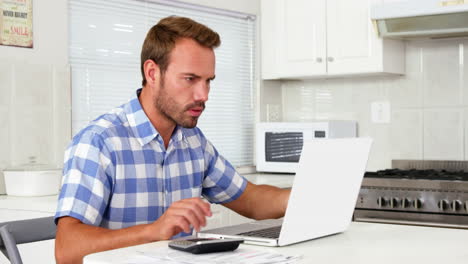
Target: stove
{"type": "Point", "coordinates": [430, 193]}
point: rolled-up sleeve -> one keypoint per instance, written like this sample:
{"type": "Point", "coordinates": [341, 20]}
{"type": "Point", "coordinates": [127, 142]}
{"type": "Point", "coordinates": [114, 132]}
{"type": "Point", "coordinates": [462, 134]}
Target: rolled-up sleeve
{"type": "Point", "coordinates": [221, 183]}
{"type": "Point", "coordinates": [86, 183]}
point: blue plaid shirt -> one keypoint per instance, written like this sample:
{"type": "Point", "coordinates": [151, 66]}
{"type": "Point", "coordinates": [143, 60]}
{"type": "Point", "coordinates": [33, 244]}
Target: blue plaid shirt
{"type": "Point", "coordinates": [117, 172]}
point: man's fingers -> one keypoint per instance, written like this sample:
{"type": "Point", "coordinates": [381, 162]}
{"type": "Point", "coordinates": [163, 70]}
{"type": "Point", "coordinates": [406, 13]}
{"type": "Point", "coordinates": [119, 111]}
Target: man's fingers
{"type": "Point", "coordinates": [182, 223]}
{"type": "Point", "coordinates": [189, 215]}
{"type": "Point", "coordinates": [169, 225]}
{"type": "Point", "coordinates": [186, 213]}
{"type": "Point", "coordinates": [199, 212]}
{"type": "Point", "coordinates": [204, 206]}
{"type": "Point", "coordinates": [198, 207]}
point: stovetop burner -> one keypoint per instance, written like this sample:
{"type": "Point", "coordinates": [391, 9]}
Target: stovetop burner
{"type": "Point", "coordinates": [420, 192]}
{"type": "Point", "coordinates": [429, 174]}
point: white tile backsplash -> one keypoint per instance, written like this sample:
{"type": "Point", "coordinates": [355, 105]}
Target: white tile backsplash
{"type": "Point", "coordinates": [443, 134]}
{"type": "Point", "coordinates": [298, 101]}
{"type": "Point", "coordinates": [4, 136]}
{"type": "Point", "coordinates": [33, 135]}
{"type": "Point", "coordinates": [380, 151]}
{"type": "Point", "coordinates": [429, 104]}
{"type": "Point", "coordinates": [406, 134]}
{"type": "Point", "coordinates": [61, 112]}
{"type": "Point", "coordinates": [35, 119]}
{"type": "Point", "coordinates": [465, 133]}
{"type": "Point", "coordinates": [324, 98]}
{"type": "Point", "coordinates": [5, 83]}
{"type": "Point", "coordinates": [464, 67]}
{"type": "Point", "coordinates": [334, 100]}
{"type": "Point", "coordinates": [406, 91]}
{"type": "Point", "coordinates": [441, 72]}
{"type": "Point", "coordinates": [4, 143]}
{"type": "Point", "coordinates": [33, 85]}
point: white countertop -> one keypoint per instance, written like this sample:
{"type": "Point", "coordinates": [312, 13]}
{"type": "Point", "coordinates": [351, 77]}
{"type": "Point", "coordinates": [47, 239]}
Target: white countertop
{"type": "Point", "coordinates": [14, 208]}
{"type": "Point", "coordinates": [362, 243]}
{"type": "Point", "coordinates": [38, 204]}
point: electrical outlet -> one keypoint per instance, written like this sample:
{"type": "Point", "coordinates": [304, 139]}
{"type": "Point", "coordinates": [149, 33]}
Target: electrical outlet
{"type": "Point", "coordinates": [273, 112]}
{"type": "Point", "coordinates": [380, 112]}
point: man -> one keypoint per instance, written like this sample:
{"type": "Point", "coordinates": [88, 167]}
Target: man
{"type": "Point", "coordinates": [136, 174]}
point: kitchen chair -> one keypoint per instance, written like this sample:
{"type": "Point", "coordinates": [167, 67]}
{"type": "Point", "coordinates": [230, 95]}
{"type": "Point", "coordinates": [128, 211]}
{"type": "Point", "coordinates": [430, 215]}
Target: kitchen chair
{"type": "Point", "coordinates": [24, 231]}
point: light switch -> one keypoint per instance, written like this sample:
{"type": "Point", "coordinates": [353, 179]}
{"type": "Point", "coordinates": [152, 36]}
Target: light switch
{"type": "Point", "coordinates": [380, 112]}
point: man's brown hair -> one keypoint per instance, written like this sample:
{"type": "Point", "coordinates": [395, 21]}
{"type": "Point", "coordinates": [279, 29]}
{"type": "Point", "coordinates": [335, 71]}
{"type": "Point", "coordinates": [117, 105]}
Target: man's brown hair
{"type": "Point", "coordinates": [161, 38]}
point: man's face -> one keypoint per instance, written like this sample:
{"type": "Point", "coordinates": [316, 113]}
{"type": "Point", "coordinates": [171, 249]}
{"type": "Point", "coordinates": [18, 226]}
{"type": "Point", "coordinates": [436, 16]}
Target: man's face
{"type": "Point", "coordinates": [185, 85]}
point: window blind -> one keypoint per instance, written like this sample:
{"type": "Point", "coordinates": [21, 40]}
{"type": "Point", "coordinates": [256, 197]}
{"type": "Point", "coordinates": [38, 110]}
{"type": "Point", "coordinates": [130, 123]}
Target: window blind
{"type": "Point", "coordinates": [104, 48]}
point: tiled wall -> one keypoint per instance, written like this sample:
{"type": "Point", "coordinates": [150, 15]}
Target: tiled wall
{"type": "Point", "coordinates": [35, 120]}
{"type": "Point", "coordinates": [35, 92]}
{"type": "Point", "coordinates": [429, 104]}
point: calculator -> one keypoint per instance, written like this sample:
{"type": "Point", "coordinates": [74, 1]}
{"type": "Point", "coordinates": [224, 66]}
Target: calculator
{"type": "Point", "coordinates": [205, 245]}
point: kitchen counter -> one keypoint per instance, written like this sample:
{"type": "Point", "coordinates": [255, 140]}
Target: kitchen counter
{"type": "Point", "coordinates": [14, 208]}
{"type": "Point", "coordinates": [37, 204]}
{"type": "Point", "coordinates": [362, 243]}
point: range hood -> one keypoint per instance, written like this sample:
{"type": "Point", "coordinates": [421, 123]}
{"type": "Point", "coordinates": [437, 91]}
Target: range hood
{"type": "Point", "coordinates": [409, 19]}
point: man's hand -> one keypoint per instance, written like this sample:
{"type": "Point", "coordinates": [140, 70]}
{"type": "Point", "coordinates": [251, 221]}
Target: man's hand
{"type": "Point", "coordinates": [180, 216]}
{"type": "Point", "coordinates": [75, 240]}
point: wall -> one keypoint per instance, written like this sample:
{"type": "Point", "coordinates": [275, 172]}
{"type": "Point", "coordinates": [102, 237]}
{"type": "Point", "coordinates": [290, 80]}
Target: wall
{"type": "Point", "coordinates": [50, 26]}
{"type": "Point", "coordinates": [429, 104]}
{"type": "Point", "coordinates": [35, 92]}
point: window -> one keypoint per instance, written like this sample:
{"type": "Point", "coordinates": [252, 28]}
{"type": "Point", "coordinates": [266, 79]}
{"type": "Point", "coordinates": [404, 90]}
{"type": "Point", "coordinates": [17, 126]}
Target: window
{"type": "Point", "coordinates": [105, 44]}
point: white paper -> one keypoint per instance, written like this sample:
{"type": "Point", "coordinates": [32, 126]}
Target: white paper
{"type": "Point", "coordinates": [244, 256]}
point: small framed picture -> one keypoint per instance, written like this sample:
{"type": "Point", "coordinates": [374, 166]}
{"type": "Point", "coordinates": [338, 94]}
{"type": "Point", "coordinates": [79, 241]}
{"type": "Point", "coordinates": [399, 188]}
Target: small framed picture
{"type": "Point", "coordinates": [16, 23]}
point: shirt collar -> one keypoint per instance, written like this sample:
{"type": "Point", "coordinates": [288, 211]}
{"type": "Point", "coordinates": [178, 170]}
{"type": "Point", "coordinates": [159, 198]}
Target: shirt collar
{"type": "Point", "coordinates": [140, 124]}
{"type": "Point", "coordinates": [178, 134]}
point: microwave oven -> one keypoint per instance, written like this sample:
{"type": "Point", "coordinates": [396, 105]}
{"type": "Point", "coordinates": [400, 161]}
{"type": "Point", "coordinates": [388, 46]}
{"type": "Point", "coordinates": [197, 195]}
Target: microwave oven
{"type": "Point", "coordinates": [279, 144]}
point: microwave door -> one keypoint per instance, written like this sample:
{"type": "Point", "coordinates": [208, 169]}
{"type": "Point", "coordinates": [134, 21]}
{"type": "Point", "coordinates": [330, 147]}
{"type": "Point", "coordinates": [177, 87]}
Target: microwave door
{"type": "Point", "coordinates": [283, 146]}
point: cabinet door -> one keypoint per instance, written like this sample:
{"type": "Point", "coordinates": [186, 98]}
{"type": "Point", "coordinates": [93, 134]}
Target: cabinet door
{"type": "Point", "coordinates": [353, 45]}
{"type": "Point", "coordinates": [302, 38]}
{"type": "Point", "coordinates": [293, 38]}
{"type": "Point", "coordinates": [269, 38]}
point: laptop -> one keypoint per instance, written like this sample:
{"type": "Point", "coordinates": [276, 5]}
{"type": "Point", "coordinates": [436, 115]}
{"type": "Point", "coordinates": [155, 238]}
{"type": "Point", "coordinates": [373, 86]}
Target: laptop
{"type": "Point", "coordinates": [322, 200]}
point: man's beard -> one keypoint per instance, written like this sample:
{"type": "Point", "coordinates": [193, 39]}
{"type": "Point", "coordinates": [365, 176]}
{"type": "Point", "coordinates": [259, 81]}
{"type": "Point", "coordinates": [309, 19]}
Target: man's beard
{"type": "Point", "coordinates": [174, 112]}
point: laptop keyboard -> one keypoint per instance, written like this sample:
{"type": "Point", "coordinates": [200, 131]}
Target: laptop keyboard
{"type": "Point", "coordinates": [270, 232]}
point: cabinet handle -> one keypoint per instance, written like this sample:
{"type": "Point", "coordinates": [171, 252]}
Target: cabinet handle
{"type": "Point", "coordinates": [319, 60]}
{"type": "Point", "coordinates": [330, 59]}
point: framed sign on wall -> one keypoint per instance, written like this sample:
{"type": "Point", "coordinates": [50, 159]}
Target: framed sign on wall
{"type": "Point", "coordinates": [16, 24]}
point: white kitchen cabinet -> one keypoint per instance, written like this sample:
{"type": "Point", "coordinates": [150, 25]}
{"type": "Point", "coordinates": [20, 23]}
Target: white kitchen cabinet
{"type": "Point", "coordinates": [324, 38]}
{"type": "Point", "coordinates": [293, 41]}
